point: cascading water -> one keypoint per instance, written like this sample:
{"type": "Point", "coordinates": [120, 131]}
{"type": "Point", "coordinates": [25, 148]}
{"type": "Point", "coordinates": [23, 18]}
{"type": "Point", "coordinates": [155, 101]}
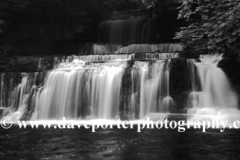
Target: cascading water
{"type": "Point", "coordinates": [212, 95]}
{"type": "Point", "coordinates": [154, 87]}
{"type": "Point", "coordinates": [108, 48]}
{"type": "Point", "coordinates": [75, 91]}
{"type": "Point", "coordinates": [131, 52]}
{"type": "Point", "coordinates": [145, 48]}
{"type": "Point", "coordinates": [130, 31]}
{"type": "Point", "coordinates": [18, 93]}
{"type": "Point", "coordinates": [107, 58]}
{"type": "Point", "coordinates": [125, 88]}
{"type": "Point", "coordinates": [81, 90]}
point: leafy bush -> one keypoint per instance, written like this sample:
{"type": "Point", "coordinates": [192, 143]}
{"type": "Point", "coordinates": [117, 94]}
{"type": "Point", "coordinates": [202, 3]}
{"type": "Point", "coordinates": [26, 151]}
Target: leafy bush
{"type": "Point", "coordinates": [214, 26]}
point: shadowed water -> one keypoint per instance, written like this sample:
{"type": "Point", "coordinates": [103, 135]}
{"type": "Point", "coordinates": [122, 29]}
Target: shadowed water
{"type": "Point", "coordinates": [118, 144]}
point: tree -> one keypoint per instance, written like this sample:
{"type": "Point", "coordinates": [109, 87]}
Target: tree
{"type": "Point", "coordinates": [214, 26]}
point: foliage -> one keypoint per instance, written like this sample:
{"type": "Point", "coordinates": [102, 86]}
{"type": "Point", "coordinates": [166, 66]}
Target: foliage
{"type": "Point", "coordinates": [214, 25]}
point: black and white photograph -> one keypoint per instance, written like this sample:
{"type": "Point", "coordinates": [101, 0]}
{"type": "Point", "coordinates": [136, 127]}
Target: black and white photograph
{"type": "Point", "coordinates": [119, 79]}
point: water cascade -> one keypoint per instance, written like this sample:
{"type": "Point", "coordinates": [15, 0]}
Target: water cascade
{"type": "Point", "coordinates": [126, 76]}
{"type": "Point", "coordinates": [145, 48]}
{"type": "Point", "coordinates": [212, 95]}
{"type": "Point", "coordinates": [130, 31]}
{"type": "Point", "coordinates": [76, 91]}
{"type": "Point", "coordinates": [113, 57]}
{"type": "Point", "coordinates": [107, 48]}
{"type": "Point", "coordinates": [18, 93]}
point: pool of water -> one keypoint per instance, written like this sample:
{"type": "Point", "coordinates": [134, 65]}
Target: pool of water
{"type": "Point", "coordinates": [118, 144]}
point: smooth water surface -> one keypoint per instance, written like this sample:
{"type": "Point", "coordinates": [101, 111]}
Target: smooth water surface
{"type": "Point", "coordinates": [118, 144]}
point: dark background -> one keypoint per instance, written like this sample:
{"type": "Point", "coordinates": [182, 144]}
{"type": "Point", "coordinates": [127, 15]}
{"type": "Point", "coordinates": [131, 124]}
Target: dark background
{"type": "Point", "coordinates": [43, 27]}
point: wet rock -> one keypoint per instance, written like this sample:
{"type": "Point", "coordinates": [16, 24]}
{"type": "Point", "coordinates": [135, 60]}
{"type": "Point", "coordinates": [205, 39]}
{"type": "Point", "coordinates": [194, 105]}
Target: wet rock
{"type": "Point", "coordinates": [125, 93]}
{"type": "Point", "coordinates": [180, 84]}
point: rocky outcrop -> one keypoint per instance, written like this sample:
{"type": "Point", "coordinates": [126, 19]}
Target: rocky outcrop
{"type": "Point", "coordinates": [180, 84]}
{"type": "Point", "coordinates": [26, 64]}
{"type": "Point", "coordinates": [126, 91]}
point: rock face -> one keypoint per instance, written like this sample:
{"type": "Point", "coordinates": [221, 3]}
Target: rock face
{"type": "Point", "coordinates": [60, 27]}
{"type": "Point", "coordinates": [180, 84]}
{"type": "Point", "coordinates": [48, 27]}
{"type": "Point", "coordinates": [8, 83]}
{"type": "Point", "coordinates": [14, 86]}
{"type": "Point", "coordinates": [125, 93]}
{"type": "Point", "coordinates": [26, 64]}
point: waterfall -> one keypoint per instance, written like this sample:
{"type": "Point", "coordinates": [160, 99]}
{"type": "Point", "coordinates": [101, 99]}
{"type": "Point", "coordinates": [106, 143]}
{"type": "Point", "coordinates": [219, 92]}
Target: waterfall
{"type": "Point", "coordinates": [144, 48]}
{"type": "Point", "coordinates": [126, 86]}
{"type": "Point", "coordinates": [93, 91]}
{"type": "Point", "coordinates": [107, 48]}
{"type": "Point", "coordinates": [211, 93]}
{"type": "Point", "coordinates": [215, 90]}
{"type": "Point", "coordinates": [18, 91]}
{"type": "Point", "coordinates": [154, 87]}
{"type": "Point", "coordinates": [77, 91]}
{"type": "Point", "coordinates": [135, 30]}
